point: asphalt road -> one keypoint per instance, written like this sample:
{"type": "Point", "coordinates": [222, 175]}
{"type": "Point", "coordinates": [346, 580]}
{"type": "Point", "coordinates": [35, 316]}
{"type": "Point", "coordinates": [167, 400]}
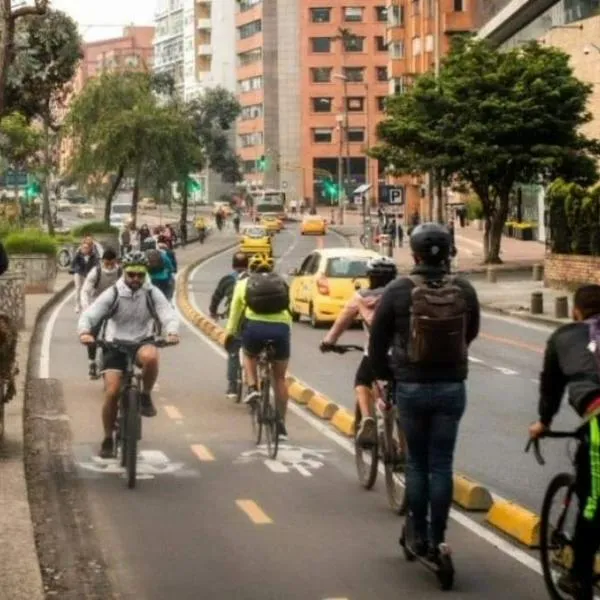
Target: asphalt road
{"type": "Point", "coordinates": [211, 518]}
{"type": "Point", "coordinates": [502, 386]}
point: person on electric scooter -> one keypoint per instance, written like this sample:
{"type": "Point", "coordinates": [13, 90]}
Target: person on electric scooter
{"type": "Point", "coordinates": [572, 363]}
{"type": "Point", "coordinates": [428, 319]}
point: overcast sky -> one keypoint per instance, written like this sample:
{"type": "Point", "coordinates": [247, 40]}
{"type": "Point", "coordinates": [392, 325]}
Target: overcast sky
{"type": "Point", "coordinates": [101, 19]}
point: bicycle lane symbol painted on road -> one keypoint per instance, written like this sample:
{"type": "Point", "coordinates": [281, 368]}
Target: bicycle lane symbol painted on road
{"type": "Point", "coordinates": [289, 458]}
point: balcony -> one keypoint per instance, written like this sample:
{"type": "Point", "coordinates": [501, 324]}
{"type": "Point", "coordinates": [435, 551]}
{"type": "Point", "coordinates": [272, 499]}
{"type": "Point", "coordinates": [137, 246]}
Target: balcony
{"type": "Point", "coordinates": [457, 22]}
{"type": "Point", "coordinates": [204, 24]}
{"type": "Point", "coordinates": [204, 49]}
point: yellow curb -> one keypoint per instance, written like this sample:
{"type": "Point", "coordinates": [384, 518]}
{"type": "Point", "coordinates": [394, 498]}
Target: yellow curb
{"type": "Point", "coordinates": [322, 407]}
{"type": "Point", "coordinates": [208, 326]}
{"type": "Point", "coordinates": [471, 495]}
{"type": "Point", "coordinates": [215, 333]}
{"type": "Point", "coordinates": [221, 337]}
{"type": "Point", "coordinates": [516, 521]}
{"type": "Point", "coordinates": [197, 320]}
{"type": "Point", "coordinates": [300, 393]}
{"type": "Point", "coordinates": [343, 421]}
{"type": "Point", "coordinates": [289, 379]}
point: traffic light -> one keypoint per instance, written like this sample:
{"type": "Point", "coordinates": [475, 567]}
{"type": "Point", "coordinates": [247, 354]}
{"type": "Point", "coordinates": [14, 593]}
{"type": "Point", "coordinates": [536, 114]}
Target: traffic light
{"type": "Point", "coordinates": [331, 189]}
{"type": "Point", "coordinates": [33, 189]}
{"type": "Point", "coordinates": [261, 163]}
{"type": "Point", "coordinates": [193, 185]}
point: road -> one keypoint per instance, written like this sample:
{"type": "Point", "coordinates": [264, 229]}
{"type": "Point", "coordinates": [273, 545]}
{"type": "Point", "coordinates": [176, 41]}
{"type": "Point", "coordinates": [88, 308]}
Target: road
{"type": "Point", "coordinates": [502, 385]}
{"type": "Point", "coordinates": [211, 518]}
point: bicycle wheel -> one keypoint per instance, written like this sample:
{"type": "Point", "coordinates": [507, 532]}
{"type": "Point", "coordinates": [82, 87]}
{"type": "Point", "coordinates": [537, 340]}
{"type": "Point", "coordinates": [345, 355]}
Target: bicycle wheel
{"type": "Point", "coordinates": [240, 384]}
{"type": "Point", "coordinates": [121, 428]}
{"type": "Point", "coordinates": [394, 463]}
{"type": "Point", "coordinates": [272, 424]}
{"type": "Point", "coordinates": [132, 434]}
{"type": "Point", "coordinates": [63, 259]}
{"type": "Point", "coordinates": [556, 552]}
{"type": "Point", "coordinates": [367, 459]}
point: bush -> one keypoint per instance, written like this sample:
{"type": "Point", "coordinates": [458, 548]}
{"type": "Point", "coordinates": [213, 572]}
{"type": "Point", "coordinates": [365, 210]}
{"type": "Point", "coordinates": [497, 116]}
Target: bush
{"type": "Point", "coordinates": [64, 239]}
{"type": "Point", "coordinates": [93, 227]}
{"type": "Point", "coordinates": [474, 208]}
{"type": "Point", "coordinates": [30, 241]}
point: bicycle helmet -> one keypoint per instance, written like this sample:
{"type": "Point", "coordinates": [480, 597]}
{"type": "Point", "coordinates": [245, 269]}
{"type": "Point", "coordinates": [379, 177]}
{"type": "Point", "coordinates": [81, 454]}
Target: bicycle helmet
{"type": "Point", "coordinates": [260, 263]}
{"type": "Point", "coordinates": [431, 243]}
{"type": "Point", "coordinates": [382, 266]}
{"type": "Point", "coordinates": [135, 259]}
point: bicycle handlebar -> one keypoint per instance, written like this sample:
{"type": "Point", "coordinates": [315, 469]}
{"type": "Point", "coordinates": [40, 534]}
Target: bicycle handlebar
{"type": "Point", "coordinates": [127, 345]}
{"type": "Point", "coordinates": [343, 348]}
{"type": "Point", "coordinates": [535, 443]}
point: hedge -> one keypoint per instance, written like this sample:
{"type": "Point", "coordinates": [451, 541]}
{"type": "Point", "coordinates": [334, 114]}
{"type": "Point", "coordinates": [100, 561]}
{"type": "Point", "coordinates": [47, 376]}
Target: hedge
{"type": "Point", "coordinates": [30, 241]}
{"type": "Point", "coordinates": [93, 227]}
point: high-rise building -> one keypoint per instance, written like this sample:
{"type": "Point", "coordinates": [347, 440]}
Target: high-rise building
{"type": "Point", "coordinates": [419, 33]}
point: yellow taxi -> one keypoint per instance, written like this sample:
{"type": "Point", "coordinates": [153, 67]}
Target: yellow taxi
{"type": "Point", "coordinates": [313, 224]}
{"type": "Point", "coordinates": [271, 222]}
{"type": "Point", "coordinates": [326, 280]}
{"type": "Point", "coordinates": [256, 240]}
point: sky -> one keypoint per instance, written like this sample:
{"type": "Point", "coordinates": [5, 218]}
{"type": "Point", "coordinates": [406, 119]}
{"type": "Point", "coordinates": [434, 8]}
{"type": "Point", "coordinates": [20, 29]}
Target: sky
{"type": "Point", "coordinates": [103, 19]}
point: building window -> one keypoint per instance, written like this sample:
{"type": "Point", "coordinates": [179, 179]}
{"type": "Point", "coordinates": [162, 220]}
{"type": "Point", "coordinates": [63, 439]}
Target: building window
{"type": "Point", "coordinates": [247, 140]}
{"type": "Point", "coordinates": [322, 135]}
{"type": "Point", "coordinates": [356, 134]}
{"type": "Point", "coordinates": [247, 85]}
{"type": "Point", "coordinates": [249, 166]}
{"type": "Point", "coordinates": [381, 103]}
{"type": "Point", "coordinates": [321, 105]}
{"type": "Point", "coordinates": [354, 74]}
{"type": "Point", "coordinates": [381, 14]}
{"type": "Point", "coordinates": [416, 46]}
{"type": "Point", "coordinates": [250, 29]}
{"type": "Point", "coordinates": [320, 44]}
{"type": "Point", "coordinates": [252, 56]}
{"type": "Point", "coordinates": [397, 49]}
{"type": "Point", "coordinates": [355, 104]}
{"type": "Point", "coordinates": [354, 43]}
{"type": "Point", "coordinates": [380, 44]}
{"type": "Point", "coordinates": [416, 7]}
{"type": "Point", "coordinates": [321, 74]}
{"type": "Point", "coordinates": [248, 4]}
{"type": "Point", "coordinates": [400, 85]}
{"type": "Point", "coordinates": [353, 14]}
{"type": "Point", "coordinates": [381, 73]}
{"type": "Point", "coordinates": [459, 5]}
{"type": "Point", "coordinates": [320, 15]}
{"type": "Point", "coordinates": [254, 111]}
{"type": "Point", "coordinates": [429, 43]}
{"type": "Point", "coordinates": [396, 16]}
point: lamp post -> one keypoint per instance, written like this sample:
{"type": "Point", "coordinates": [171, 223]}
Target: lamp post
{"type": "Point", "coordinates": [343, 130]}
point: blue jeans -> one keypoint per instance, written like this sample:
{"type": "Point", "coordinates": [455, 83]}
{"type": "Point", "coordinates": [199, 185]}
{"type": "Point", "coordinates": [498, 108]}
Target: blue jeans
{"type": "Point", "coordinates": [429, 416]}
{"type": "Point", "coordinates": [233, 362]}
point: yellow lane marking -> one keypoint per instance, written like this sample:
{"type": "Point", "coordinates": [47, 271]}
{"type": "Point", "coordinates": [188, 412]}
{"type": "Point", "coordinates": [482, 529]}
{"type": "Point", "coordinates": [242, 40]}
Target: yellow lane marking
{"type": "Point", "coordinates": [254, 512]}
{"type": "Point", "coordinates": [510, 342]}
{"type": "Point", "coordinates": [173, 412]}
{"type": "Point", "coordinates": [202, 452]}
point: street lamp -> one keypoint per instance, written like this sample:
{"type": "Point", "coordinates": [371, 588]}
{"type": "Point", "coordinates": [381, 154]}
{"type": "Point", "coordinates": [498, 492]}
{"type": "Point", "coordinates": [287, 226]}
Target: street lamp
{"type": "Point", "coordinates": [344, 80]}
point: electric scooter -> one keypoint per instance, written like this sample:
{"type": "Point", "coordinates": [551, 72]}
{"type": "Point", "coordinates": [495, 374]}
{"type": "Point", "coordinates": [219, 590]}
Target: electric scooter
{"type": "Point", "coordinates": [443, 567]}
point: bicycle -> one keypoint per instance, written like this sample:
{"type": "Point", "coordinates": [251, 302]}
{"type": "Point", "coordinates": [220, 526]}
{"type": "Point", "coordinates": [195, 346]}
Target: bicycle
{"type": "Point", "coordinates": [389, 447]}
{"type": "Point", "coordinates": [128, 427]}
{"type": "Point", "coordinates": [64, 258]}
{"type": "Point", "coordinates": [239, 388]}
{"type": "Point", "coordinates": [556, 542]}
{"type": "Point", "coordinates": [264, 413]}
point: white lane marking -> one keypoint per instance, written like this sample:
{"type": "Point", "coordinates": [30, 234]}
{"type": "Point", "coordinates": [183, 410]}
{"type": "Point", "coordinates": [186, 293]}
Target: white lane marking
{"type": "Point", "coordinates": [44, 366]}
{"type": "Point", "coordinates": [173, 412]}
{"type": "Point", "coordinates": [519, 322]}
{"type": "Point", "coordinates": [506, 371]}
{"type": "Point", "coordinates": [477, 361]}
{"type": "Point", "coordinates": [458, 517]}
{"type": "Point", "coordinates": [536, 381]}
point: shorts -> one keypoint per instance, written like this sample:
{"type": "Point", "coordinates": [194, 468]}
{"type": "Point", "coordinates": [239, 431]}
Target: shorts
{"type": "Point", "coordinates": [256, 333]}
{"type": "Point", "coordinates": [365, 376]}
{"type": "Point", "coordinates": [113, 360]}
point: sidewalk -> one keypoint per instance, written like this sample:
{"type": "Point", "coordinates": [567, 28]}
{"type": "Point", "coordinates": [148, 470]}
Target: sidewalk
{"type": "Point", "coordinates": [20, 575]}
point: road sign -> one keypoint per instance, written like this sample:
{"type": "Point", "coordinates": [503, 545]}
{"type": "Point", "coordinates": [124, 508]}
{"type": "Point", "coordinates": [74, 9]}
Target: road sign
{"type": "Point", "coordinates": [397, 196]}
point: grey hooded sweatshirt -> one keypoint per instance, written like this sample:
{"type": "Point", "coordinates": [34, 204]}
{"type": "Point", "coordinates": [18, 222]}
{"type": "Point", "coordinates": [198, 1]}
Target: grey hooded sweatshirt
{"type": "Point", "coordinates": [133, 320]}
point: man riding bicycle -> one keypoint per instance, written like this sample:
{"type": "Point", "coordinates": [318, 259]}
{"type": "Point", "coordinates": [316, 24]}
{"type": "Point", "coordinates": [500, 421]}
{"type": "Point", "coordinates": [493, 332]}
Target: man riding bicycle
{"type": "Point", "coordinates": [260, 310]}
{"type": "Point", "coordinates": [380, 272]}
{"type": "Point", "coordinates": [224, 291]}
{"type": "Point", "coordinates": [132, 310]}
{"type": "Point", "coordinates": [572, 362]}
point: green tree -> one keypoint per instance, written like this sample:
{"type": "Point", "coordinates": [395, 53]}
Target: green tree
{"type": "Point", "coordinates": [490, 120]}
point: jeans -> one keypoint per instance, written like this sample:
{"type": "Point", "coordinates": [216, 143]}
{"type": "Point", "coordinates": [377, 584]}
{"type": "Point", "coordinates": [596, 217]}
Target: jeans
{"type": "Point", "coordinates": [429, 416]}
{"type": "Point", "coordinates": [233, 362]}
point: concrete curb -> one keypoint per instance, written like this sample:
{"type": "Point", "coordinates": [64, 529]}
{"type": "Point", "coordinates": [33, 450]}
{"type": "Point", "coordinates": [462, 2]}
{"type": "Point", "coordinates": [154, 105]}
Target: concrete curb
{"type": "Point", "coordinates": [525, 316]}
{"type": "Point", "coordinates": [512, 519]}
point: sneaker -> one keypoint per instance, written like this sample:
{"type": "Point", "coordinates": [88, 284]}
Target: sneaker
{"type": "Point", "coordinates": [148, 409]}
{"type": "Point", "coordinates": [93, 370]}
{"type": "Point", "coordinates": [252, 396]}
{"type": "Point", "coordinates": [568, 584]}
{"type": "Point", "coordinates": [282, 431]}
{"type": "Point", "coordinates": [232, 391]}
{"type": "Point", "coordinates": [107, 449]}
{"type": "Point", "coordinates": [367, 432]}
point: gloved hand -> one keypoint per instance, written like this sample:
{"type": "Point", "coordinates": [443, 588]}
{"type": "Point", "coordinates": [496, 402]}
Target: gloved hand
{"type": "Point", "coordinates": [325, 346]}
{"type": "Point", "coordinates": [228, 344]}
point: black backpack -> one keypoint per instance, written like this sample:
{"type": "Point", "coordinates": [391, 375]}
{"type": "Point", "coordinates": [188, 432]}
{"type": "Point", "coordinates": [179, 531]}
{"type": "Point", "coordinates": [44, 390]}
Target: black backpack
{"type": "Point", "coordinates": [438, 323]}
{"type": "Point", "coordinates": [267, 293]}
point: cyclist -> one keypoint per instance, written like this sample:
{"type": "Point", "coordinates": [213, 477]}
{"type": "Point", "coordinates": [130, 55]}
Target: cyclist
{"type": "Point", "coordinates": [85, 259]}
{"type": "Point", "coordinates": [160, 271]}
{"type": "Point", "coordinates": [99, 279]}
{"type": "Point", "coordinates": [572, 362]}
{"type": "Point", "coordinates": [428, 319]}
{"type": "Point", "coordinates": [380, 272]}
{"type": "Point", "coordinates": [224, 291]}
{"type": "Point", "coordinates": [261, 300]}
{"type": "Point", "coordinates": [131, 310]}
{"type": "Point", "coordinates": [201, 227]}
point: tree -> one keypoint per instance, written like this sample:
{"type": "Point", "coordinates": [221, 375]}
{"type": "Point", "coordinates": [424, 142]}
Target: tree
{"type": "Point", "coordinates": [9, 17]}
{"type": "Point", "coordinates": [490, 120]}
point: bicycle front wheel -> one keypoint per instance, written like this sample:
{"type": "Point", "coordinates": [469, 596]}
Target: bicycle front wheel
{"type": "Point", "coordinates": [132, 434]}
{"type": "Point", "coordinates": [63, 259]}
{"type": "Point", "coordinates": [367, 459]}
{"type": "Point", "coordinates": [394, 462]}
{"type": "Point", "coordinates": [556, 532]}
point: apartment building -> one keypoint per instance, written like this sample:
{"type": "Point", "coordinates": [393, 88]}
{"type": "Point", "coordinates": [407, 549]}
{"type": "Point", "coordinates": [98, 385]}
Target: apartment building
{"type": "Point", "coordinates": [419, 32]}
{"type": "Point", "coordinates": [132, 51]}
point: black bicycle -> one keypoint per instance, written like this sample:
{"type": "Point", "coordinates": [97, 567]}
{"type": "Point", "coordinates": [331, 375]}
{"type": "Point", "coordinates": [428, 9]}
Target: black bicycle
{"type": "Point", "coordinates": [128, 428]}
{"type": "Point", "coordinates": [239, 383]}
{"type": "Point", "coordinates": [264, 413]}
{"type": "Point", "coordinates": [389, 446]}
{"type": "Point", "coordinates": [556, 535]}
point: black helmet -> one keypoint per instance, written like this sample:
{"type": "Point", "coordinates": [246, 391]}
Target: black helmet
{"type": "Point", "coordinates": [431, 242]}
{"type": "Point", "coordinates": [382, 267]}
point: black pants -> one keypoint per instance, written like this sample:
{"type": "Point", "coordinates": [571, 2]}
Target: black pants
{"type": "Point", "coordinates": [587, 530]}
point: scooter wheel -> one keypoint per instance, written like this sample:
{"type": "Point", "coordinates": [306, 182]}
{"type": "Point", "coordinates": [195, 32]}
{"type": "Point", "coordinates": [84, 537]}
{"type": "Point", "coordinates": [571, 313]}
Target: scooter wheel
{"type": "Point", "coordinates": [445, 573]}
{"type": "Point", "coordinates": [408, 555]}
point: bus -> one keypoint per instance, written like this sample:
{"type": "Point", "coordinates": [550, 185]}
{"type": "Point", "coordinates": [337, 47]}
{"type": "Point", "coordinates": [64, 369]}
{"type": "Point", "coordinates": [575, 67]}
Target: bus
{"type": "Point", "coordinates": [270, 201]}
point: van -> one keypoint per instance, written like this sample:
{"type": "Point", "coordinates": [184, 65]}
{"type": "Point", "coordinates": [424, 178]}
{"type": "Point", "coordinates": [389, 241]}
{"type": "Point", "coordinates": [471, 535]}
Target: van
{"type": "Point", "coordinates": [121, 214]}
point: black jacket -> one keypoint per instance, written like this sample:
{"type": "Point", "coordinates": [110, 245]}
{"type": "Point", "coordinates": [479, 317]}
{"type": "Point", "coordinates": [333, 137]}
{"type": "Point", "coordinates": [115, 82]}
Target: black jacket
{"type": "Point", "coordinates": [568, 364]}
{"type": "Point", "coordinates": [80, 266]}
{"type": "Point", "coordinates": [224, 290]}
{"type": "Point", "coordinates": [390, 329]}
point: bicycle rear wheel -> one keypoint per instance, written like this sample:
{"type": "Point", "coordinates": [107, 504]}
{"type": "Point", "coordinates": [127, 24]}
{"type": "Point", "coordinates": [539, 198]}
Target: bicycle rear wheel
{"type": "Point", "coordinates": [556, 551]}
{"type": "Point", "coordinates": [132, 433]}
{"type": "Point", "coordinates": [394, 463]}
{"type": "Point", "coordinates": [271, 419]}
{"type": "Point", "coordinates": [367, 459]}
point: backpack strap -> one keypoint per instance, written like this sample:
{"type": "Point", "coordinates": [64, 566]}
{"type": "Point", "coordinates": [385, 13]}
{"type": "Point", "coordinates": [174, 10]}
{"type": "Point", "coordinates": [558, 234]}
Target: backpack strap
{"type": "Point", "coordinates": [114, 306]}
{"type": "Point", "coordinates": [151, 304]}
{"type": "Point", "coordinates": [98, 276]}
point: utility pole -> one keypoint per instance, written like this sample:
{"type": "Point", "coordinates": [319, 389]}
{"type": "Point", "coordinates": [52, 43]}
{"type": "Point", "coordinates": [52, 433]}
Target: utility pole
{"type": "Point", "coordinates": [438, 212]}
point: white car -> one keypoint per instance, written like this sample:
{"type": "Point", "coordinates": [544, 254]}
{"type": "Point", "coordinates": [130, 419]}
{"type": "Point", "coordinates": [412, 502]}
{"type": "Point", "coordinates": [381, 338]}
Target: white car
{"type": "Point", "coordinates": [63, 205]}
{"type": "Point", "coordinates": [86, 212]}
